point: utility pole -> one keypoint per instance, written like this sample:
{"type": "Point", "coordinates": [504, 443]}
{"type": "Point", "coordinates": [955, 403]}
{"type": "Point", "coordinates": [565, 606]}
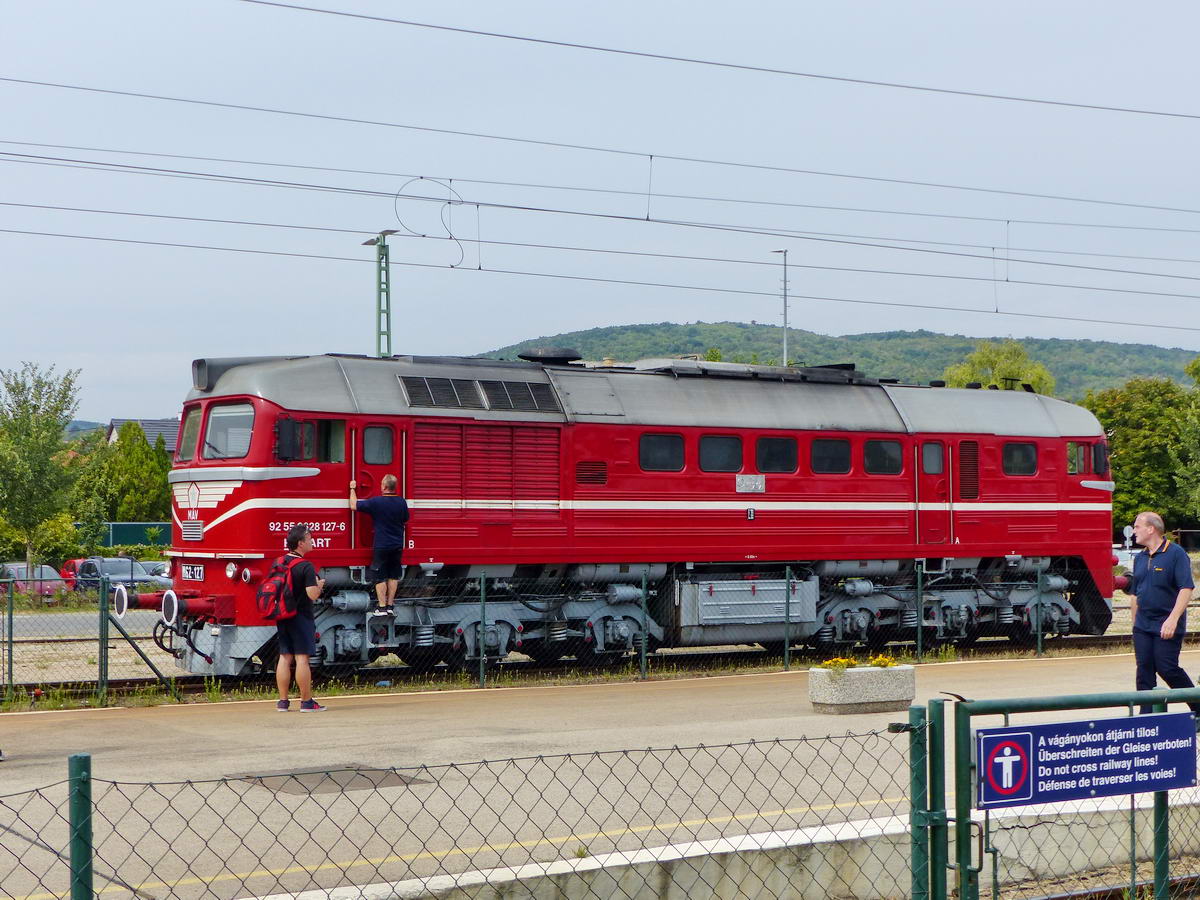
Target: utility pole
{"type": "Point", "coordinates": [785, 305]}
{"type": "Point", "coordinates": [383, 293]}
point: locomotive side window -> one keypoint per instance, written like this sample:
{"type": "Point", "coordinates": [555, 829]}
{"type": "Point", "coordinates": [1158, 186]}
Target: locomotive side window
{"type": "Point", "coordinates": [830, 456]}
{"type": "Point", "coordinates": [883, 458]}
{"type": "Point", "coordinates": [720, 453]}
{"type": "Point", "coordinates": [1076, 458]}
{"type": "Point", "coordinates": [229, 429]}
{"type": "Point", "coordinates": [377, 445]}
{"type": "Point", "coordinates": [1020, 459]}
{"type": "Point", "coordinates": [187, 437]}
{"type": "Point", "coordinates": [661, 452]}
{"type": "Point", "coordinates": [933, 458]}
{"type": "Point", "coordinates": [776, 454]}
{"type": "Point", "coordinates": [1100, 458]}
{"type": "Point", "coordinates": [331, 440]}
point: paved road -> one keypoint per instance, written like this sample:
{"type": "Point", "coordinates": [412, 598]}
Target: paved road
{"type": "Point", "coordinates": [457, 818]}
{"type": "Point", "coordinates": [76, 624]}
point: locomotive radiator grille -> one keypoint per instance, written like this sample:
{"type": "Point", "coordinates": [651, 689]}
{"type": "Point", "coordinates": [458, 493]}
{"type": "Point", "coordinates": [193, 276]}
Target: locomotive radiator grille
{"type": "Point", "coordinates": [192, 530]}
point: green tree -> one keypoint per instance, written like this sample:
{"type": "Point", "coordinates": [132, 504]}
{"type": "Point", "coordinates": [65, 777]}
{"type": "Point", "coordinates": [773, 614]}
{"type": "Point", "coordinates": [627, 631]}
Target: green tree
{"type": "Point", "coordinates": [139, 477]}
{"type": "Point", "coordinates": [992, 363]}
{"type": "Point", "coordinates": [1185, 454]}
{"type": "Point", "coordinates": [713, 354]}
{"type": "Point", "coordinates": [35, 408]}
{"type": "Point", "coordinates": [1144, 422]}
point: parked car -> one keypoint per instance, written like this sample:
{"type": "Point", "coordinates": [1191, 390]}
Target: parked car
{"type": "Point", "coordinates": [45, 582]}
{"type": "Point", "coordinates": [119, 570]}
{"type": "Point", "coordinates": [157, 566]}
{"type": "Point", "coordinates": [68, 570]}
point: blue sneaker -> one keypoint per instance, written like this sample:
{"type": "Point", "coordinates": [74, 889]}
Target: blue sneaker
{"type": "Point", "coordinates": [310, 706]}
{"type": "Point", "coordinates": [282, 706]}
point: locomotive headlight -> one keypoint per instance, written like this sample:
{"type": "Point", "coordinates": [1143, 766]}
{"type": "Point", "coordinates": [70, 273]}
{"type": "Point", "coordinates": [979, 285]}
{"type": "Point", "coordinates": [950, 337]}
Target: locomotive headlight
{"type": "Point", "coordinates": [231, 571]}
{"type": "Point", "coordinates": [246, 576]}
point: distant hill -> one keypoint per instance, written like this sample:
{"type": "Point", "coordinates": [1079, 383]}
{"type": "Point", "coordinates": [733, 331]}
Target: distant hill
{"type": "Point", "coordinates": [80, 426]}
{"type": "Point", "coordinates": [912, 356]}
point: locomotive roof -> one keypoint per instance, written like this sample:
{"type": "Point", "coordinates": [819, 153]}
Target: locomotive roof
{"type": "Point", "coordinates": [660, 392]}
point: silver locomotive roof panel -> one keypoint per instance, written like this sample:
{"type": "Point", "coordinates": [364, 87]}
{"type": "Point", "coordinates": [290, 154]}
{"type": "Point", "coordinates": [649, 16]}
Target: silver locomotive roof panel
{"type": "Point", "coordinates": [665, 393]}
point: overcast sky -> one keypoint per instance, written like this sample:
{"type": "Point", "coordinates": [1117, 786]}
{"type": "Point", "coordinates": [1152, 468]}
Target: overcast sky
{"type": "Point", "coordinates": [132, 315]}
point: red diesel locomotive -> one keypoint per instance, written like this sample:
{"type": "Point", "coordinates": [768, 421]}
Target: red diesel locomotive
{"type": "Point", "coordinates": [562, 487]}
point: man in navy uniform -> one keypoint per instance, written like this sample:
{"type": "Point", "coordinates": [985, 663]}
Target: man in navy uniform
{"type": "Point", "coordinates": [1160, 588]}
{"type": "Point", "coordinates": [390, 513]}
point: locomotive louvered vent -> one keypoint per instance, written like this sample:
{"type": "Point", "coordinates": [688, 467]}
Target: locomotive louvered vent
{"type": "Point", "coordinates": [524, 395]}
{"type": "Point", "coordinates": [192, 530]}
{"type": "Point", "coordinates": [968, 470]}
{"type": "Point", "coordinates": [452, 393]}
{"type": "Point", "coordinates": [591, 472]}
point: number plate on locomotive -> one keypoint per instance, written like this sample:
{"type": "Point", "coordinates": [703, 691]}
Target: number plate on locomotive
{"type": "Point", "coordinates": [192, 573]}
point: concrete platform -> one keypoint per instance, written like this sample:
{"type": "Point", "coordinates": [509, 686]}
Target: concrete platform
{"type": "Point", "coordinates": [200, 741]}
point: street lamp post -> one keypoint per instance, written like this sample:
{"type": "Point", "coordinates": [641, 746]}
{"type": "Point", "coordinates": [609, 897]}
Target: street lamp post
{"type": "Point", "coordinates": [383, 293]}
{"type": "Point", "coordinates": [785, 305]}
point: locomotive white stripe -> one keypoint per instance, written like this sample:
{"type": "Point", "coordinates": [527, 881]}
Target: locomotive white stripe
{"type": "Point", "coordinates": [300, 503]}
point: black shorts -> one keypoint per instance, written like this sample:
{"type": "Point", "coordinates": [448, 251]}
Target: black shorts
{"type": "Point", "coordinates": [386, 564]}
{"type": "Point", "coordinates": [297, 635]}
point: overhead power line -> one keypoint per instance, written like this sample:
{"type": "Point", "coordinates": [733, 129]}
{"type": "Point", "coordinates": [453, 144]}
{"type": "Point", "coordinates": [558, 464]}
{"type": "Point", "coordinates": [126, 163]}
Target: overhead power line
{"type": "Point", "coordinates": [644, 253]}
{"type": "Point", "coordinates": [991, 258]}
{"type": "Point", "coordinates": [744, 67]}
{"type": "Point", "coordinates": [628, 282]}
{"type": "Point", "coordinates": [562, 145]}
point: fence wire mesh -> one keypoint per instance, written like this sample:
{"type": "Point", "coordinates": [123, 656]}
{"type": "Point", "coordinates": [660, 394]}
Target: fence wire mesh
{"type": "Point", "coordinates": [781, 818]}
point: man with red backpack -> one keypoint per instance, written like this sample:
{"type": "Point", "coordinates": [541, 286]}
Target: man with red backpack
{"type": "Point", "coordinates": [298, 633]}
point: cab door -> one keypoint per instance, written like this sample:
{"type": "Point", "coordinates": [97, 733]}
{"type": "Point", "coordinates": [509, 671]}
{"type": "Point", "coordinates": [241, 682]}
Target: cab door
{"type": "Point", "coordinates": [378, 453]}
{"type": "Point", "coordinates": [934, 508]}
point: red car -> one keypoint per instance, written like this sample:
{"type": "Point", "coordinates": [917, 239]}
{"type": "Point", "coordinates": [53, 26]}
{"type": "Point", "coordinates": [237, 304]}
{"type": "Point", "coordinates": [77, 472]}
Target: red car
{"type": "Point", "coordinates": [68, 572]}
{"type": "Point", "coordinates": [45, 582]}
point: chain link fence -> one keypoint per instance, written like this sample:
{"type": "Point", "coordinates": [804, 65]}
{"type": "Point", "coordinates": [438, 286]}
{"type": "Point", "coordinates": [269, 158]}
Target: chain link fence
{"type": "Point", "coordinates": [784, 818]}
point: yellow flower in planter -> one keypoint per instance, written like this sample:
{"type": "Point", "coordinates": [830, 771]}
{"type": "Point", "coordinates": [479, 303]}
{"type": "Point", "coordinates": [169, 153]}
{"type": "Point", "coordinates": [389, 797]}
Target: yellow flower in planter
{"type": "Point", "coordinates": [838, 664]}
{"type": "Point", "coordinates": [882, 661]}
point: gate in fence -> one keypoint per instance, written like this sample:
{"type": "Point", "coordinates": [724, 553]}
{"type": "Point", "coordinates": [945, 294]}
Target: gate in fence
{"type": "Point", "coordinates": [1105, 806]}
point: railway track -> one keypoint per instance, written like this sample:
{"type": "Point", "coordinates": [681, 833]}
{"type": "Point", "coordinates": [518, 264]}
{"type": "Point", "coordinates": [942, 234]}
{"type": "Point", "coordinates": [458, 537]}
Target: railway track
{"type": "Point", "coordinates": [669, 661]}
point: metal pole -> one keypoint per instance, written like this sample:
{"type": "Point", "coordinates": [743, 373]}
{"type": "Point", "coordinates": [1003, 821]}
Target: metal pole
{"type": "Point", "coordinates": [787, 619]}
{"type": "Point", "coordinates": [642, 651]}
{"type": "Point", "coordinates": [785, 305]}
{"type": "Point", "coordinates": [480, 643]}
{"type": "Point", "coordinates": [968, 877]}
{"type": "Point", "coordinates": [79, 771]}
{"type": "Point", "coordinates": [918, 801]}
{"type": "Point", "coordinates": [11, 689]}
{"type": "Point", "coordinates": [102, 650]}
{"type": "Point", "coordinates": [920, 607]}
{"type": "Point", "coordinates": [1162, 836]}
{"type": "Point", "coordinates": [1040, 583]}
{"type": "Point", "coordinates": [939, 844]}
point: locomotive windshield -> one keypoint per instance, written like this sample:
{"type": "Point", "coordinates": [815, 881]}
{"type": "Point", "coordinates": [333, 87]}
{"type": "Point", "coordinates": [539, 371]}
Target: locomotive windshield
{"type": "Point", "coordinates": [187, 439]}
{"type": "Point", "coordinates": [229, 429]}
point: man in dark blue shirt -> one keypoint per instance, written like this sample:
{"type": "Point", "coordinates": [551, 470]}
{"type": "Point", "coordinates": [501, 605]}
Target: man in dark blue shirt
{"type": "Point", "coordinates": [1161, 586]}
{"type": "Point", "coordinates": [390, 513]}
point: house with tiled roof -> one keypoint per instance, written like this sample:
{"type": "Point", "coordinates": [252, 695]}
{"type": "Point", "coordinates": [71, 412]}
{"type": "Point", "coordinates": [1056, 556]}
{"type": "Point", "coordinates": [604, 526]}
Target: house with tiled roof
{"type": "Point", "coordinates": [168, 428]}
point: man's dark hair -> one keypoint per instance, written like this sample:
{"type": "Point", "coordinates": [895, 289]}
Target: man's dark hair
{"type": "Point", "coordinates": [295, 535]}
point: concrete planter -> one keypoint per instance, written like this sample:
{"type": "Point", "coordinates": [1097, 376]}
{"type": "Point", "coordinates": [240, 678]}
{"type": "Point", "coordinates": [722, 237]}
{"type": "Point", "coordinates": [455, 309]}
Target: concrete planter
{"type": "Point", "coordinates": [862, 690]}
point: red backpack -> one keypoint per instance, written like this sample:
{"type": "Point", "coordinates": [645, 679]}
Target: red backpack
{"type": "Point", "coordinates": [275, 598]}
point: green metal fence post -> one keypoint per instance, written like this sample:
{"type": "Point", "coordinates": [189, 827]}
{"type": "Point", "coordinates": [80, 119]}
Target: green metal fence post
{"type": "Point", "coordinates": [79, 771]}
{"type": "Point", "coordinates": [939, 837]}
{"type": "Point", "coordinates": [642, 649]}
{"type": "Point", "coordinates": [1162, 836]}
{"type": "Point", "coordinates": [918, 801]}
{"type": "Point", "coordinates": [102, 650]}
{"type": "Point", "coordinates": [1040, 584]}
{"type": "Point", "coordinates": [481, 642]}
{"type": "Point", "coordinates": [920, 600]}
{"type": "Point", "coordinates": [787, 619]}
{"type": "Point", "coordinates": [10, 644]}
{"type": "Point", "coordinates": [968, 876]}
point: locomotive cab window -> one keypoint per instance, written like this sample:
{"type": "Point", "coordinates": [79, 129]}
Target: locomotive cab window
{"type": "Point", "coordinates": [377, 445]}
{"type": "Point", "coordinates": [720, 453]}
{"type": "Point", "coordinates": [830, 456]}
{"type": "Point", "coordinates": [1020, 459]}
{"type": "Point", "coordinates": [331, 441]}
{"type": "Point", "coordinates": [1100, 459]}
{"type": "Point", "coordinates": [933, 458]}
{"type": "Point", "coordinates": [229, 428]}
{"type": "Point", "coordinates": [883, 458]}
{"type": "Point", "coordinates": [661, 452]}
{"type": "Point", "coordinates": [1076, 458]}
{"type": "Point", "coordinates": [776, 454]}
{"type": "Point", "coordinates": [186, 448]}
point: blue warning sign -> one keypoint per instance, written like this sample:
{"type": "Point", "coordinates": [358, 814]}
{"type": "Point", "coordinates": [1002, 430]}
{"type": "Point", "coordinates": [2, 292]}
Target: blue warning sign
{"type": "Point", "coordinates": [1025, 764]}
